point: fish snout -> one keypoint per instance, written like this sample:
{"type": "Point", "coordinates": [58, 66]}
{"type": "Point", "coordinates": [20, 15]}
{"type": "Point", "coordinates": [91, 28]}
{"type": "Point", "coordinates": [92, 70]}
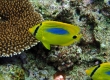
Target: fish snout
{"type": "Point", "coordinates": [30, 30]}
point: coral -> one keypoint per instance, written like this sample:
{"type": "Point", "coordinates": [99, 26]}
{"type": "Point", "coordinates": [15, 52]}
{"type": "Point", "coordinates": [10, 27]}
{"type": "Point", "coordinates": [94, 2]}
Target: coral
{"type": "Point", "coordinates": [91, 16]}
{"type": "Point", "coordinates": [16, 16]}
{"type": "Point", "coordinates": [107, 2]}
{"type": "Point", "coordinates": [50, 8]}
{"type": "Point", "coordinates": [11, 72]}
{"type": "Point", "coordinates": [62, 16]}
{"type": "Point", "coordinates": [65, 57]}
{"type": "Point", "coordinates": [86, 2]}
{"type": "Point", "coordinates": [37, 69]}
{"type": "Point", "coordinates": [13, 68]}
{"type": "Point", "coordinates": [106, 11]}
{"type": "Point", "coordinates": [73, 59]}
{"type": "Point", "coordinates": [100, 31]}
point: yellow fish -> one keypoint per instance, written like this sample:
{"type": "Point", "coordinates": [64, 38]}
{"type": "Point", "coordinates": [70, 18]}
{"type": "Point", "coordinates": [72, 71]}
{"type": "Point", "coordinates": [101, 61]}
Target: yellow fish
{"type": "Point", "coordinates": [56, 33]}
{"type": "Point", "coordinates": [100, 72]}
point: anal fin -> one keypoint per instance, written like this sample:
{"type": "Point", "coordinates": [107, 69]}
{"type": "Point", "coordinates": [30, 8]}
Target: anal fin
{"type": "Point", "coordinates": [47, 46]}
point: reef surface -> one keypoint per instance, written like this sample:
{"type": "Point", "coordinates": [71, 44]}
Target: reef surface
{"type": "Point", "coordinates": [37, 63]}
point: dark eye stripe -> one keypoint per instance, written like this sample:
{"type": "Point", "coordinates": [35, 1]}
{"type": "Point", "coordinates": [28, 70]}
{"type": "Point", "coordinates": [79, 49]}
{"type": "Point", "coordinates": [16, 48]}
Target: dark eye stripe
{"type": "Point", "coordinates": [94, 70]}
{"type": "Point", "coordinates": [36, 29]}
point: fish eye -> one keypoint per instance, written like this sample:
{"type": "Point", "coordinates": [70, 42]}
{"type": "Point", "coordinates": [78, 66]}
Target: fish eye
{"type": "Point", "coordinates": [74, 37]}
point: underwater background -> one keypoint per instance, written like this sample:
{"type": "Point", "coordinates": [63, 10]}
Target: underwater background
{"type": "Point", "coordinates": [22, 57]}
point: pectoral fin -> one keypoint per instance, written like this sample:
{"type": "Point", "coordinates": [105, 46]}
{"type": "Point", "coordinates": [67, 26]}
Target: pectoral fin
{"type": "Point", "coordinates": [46, 45]}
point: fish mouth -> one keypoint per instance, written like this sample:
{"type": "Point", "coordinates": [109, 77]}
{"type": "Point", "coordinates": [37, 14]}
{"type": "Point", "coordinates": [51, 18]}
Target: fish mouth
{"type": "Point", "coordinates": [30, 30]}
{"type": "Point", "coordinates": [86, 71]}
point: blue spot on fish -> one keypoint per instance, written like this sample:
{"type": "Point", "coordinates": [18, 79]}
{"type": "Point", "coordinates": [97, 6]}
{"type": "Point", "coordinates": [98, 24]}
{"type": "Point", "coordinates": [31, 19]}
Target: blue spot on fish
{"type": "Point", "coordinates": [108, 72]}
{"type": "Point", "coordinates": [59, 31]}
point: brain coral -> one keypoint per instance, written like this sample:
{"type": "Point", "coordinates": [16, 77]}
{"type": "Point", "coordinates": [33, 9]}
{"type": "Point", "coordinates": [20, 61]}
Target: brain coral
{"type": "Point", "coordinates": [16, 17]}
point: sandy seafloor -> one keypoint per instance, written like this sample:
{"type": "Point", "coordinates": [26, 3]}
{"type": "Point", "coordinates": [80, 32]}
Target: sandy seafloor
{"type": "Point", "coordinates": [92, 16]}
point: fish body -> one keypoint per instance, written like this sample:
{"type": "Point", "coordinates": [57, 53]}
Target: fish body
{"type": "Point", "coordinates": [100, 72]}
{"type": "Point", "coordinates": [56, 33]}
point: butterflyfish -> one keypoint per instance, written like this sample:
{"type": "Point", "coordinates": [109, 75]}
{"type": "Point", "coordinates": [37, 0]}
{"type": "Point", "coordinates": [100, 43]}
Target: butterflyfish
{"type": "Point", "coordinates": [56, 33]}
{"type": "Point", "coordinates": [99, 72]}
